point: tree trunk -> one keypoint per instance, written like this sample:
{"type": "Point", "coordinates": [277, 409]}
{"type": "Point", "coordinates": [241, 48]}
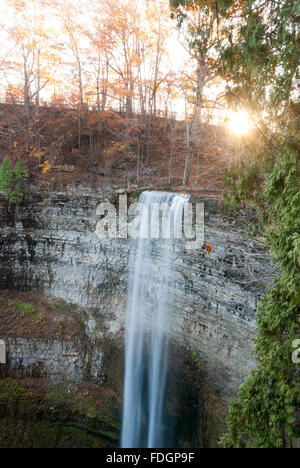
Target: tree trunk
{"type": "Point", "coordinates": [187, 159]}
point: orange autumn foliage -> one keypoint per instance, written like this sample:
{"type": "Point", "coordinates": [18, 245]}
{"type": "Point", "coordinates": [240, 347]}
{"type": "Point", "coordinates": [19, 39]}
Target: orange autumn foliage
{"type": "Point", "coordinates": [208, 247]}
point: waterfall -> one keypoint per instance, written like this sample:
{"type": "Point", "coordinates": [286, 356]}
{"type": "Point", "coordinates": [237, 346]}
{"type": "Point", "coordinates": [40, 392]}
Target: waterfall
{"type": "Point", "coordinates": [149, 306]}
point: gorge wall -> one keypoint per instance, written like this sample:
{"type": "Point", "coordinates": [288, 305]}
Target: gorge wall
{"type": "Point", "coordinates": [50, 246]}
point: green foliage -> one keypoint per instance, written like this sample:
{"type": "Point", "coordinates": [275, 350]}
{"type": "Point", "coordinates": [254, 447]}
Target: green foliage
{"type": "Point", "coordinates": [244, 182]}
{"type": "Point", "coordinates": [27, 418]}
{"type": "Point", "coordinates": [264, 415]}
{"type": "Point", "coordinates": [21, 172]}
{"type": "Point", "coordinates": [16, 194]}
{"type": "Point", "coordinates": [21, 175]}
{"type": "Point", "coordinates": [12, 182]}
{"type": "Point", "coordinates": [2, 301]}
{"type": "Point", "coordinates": [12, 391]}
{"type": "Point", "coordinates": [260, 53]}
{"type": "Point", "coordinates": [66, 395]}
{"type": "Point", "coordinates": [6, 176]}
{"type": "Point", "coordinates": [264, 61]}
{"type": "Point", "coordinates": [25, 310]}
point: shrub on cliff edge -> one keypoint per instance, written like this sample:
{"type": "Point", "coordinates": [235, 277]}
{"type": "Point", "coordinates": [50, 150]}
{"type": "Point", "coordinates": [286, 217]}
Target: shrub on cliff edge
{"type": "Point", "coordinates": [12, 182]}
{"type": "Point", "coordinates": [6, 176]}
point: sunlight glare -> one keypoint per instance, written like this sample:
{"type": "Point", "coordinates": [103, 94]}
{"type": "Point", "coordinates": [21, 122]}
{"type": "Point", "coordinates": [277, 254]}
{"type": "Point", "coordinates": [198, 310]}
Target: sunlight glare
{"type": "Point", "coordinates": [239, 123]}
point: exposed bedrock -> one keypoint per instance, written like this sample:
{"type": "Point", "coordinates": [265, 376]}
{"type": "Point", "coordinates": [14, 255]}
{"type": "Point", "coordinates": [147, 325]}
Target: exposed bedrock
{"type": "Point", "coordinates": [50, 247]}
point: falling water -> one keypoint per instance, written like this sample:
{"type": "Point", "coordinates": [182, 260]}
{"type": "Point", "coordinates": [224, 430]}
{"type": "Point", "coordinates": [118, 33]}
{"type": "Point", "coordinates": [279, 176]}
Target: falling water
{"type": "Point", "coordinates": [150, 303]}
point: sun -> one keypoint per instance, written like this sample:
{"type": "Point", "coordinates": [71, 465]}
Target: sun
{"type": "Point", "coordinates": [239, 122]}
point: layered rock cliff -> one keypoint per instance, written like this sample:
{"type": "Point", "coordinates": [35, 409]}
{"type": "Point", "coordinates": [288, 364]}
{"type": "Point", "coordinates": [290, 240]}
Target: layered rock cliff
{"type": "Point", "coordinates": [50, 246]}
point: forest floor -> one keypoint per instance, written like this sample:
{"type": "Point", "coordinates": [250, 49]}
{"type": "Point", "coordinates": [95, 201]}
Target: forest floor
{"type": "Point", "coordinates": [112, 149]}
{"type": "Point", "coordinates": [37, 414]}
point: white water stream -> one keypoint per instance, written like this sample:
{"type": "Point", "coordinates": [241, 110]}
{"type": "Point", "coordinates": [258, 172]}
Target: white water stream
{"type": "Point", "coordinates": [150, 303]}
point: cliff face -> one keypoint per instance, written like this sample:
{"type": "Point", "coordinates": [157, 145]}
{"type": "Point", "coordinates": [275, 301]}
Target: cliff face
{"type": "Point", "coordinates": [53, 249]}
